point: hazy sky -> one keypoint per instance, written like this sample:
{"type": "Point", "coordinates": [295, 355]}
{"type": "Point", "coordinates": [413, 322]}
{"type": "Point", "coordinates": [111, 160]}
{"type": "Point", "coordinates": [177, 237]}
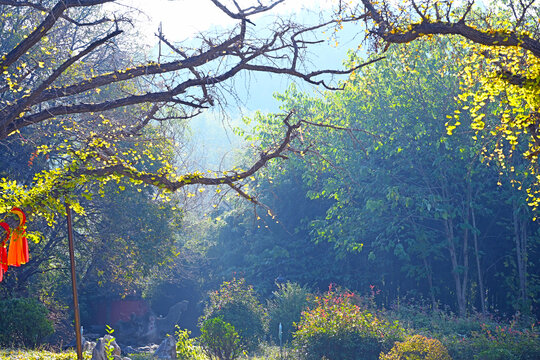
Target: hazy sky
{"type": "Point", "coordinates": [181, 19]}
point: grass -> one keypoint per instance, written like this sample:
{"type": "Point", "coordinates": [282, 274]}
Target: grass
{"type": "Point", "coordinates": [265, 353]}
{"type": "Point", "coordinates": [22, 354]}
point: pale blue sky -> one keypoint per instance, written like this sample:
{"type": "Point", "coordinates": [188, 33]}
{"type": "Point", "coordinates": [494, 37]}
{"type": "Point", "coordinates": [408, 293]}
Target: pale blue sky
{"type": "Point", "coordinates": [182, 19]}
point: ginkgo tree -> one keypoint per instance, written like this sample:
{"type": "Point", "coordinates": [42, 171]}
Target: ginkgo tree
{"type": "Point", "coordinates": [500, 44]}
{"type": "Point", "coordinates": [95, 115]}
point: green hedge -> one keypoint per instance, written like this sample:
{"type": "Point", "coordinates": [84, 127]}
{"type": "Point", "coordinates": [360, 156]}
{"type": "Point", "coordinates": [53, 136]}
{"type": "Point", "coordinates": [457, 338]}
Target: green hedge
{"type": "Point", "coordinates": [23, 322]}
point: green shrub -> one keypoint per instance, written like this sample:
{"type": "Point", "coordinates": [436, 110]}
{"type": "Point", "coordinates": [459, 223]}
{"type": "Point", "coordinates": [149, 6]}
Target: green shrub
{"type": "Point", "coordinates": [185, 346]}
{"type": "Point", "coordinates": [415, 315]}
{"type": "Point", "coordinates": [23, 322]}
{"type": "Point", "coordinates": [236, 304]}
{"type": "Point", "coordinates": [338, 329]}
{"type": "Point", "coordinates": [220, 340]}
{"type": "Point", "coordinates": [495, 343]}
{"type": "Point", "coordinates": [417, 347]}
{"type": "Point", "coordinates": [286, 308]}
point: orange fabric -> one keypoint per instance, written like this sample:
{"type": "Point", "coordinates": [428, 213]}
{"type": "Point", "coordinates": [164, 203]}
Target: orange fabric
{"type": "Point", "coordinates": [24, 245]}
{"type": "Point", "coordinates": [17, 254]}
{"type": "Point", "coordinates": [18, 245]}
{"type": "Point", "coordinates": [14, 258]}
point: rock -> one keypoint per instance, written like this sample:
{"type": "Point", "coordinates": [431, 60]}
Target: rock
{"type": "Point", "coordinates": [166, 325]}
{"type": "Point", "coordinates": [130, 350]}
{"type": "Point", "coordinates": [88, 346]}
{"type": "Point", "coordinates": [167, 349]}
{"type": "Point", "coordinates": [149, 328]}
{"type": "Point", "coordinates": [99, 352]}
{"type": "Point", "coordinates": [147, 349]}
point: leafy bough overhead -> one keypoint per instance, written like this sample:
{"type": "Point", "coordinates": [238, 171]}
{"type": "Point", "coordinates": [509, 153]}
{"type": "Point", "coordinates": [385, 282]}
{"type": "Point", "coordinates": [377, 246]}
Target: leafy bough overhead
{"type": "Point", "coordinates": [500, 43]}
{"type": "Point", "coordinates": [416, 19]}
{"type": "Point", "coordinates": [68, 89]}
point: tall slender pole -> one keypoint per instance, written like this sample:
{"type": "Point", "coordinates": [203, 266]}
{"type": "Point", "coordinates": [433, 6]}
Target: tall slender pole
{"type": "Point", "coordinates": [280, 335]}
{"type": "Point", "coordinates": [74, 285]}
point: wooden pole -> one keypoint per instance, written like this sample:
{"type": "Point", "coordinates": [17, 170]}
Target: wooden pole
{"type": "Point", "coordinates": [78, 336]}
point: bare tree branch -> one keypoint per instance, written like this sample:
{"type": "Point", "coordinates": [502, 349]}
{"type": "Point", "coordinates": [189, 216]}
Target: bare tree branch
{"type": "Point", "coordinates": [164, 181]}
{"type": "Point", "coordinates": [43, 28]}
{"type": "Point", "coordinates": [244, 13]}
{"type": "Point", "coordinates": [44, 9]}
{"type": "Point", "coordinates": [24, 102]}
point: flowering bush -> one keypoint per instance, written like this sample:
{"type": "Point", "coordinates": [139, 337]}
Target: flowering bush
{"type": "Point", "coordinates": [417, 347]}
{"type": "Point", "coordinates": [235, 303]}
{"type": "Point", "coordinates": [338, 329]}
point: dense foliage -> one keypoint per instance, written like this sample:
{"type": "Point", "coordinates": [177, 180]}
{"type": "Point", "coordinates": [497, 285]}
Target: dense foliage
{"type": "Point", "coordinates": [285, 308]}
{"type": "Point", "coordinates": [220, 340]}
{"type": "Point", "coordinates": [417, 347]}
{"type": "Point", "coordinates": [235, 303]}
{"type": "Point", "coordinates": [499, 45]}
{"type": "Point", "coordinates": [23, 322]}
{"type": "Point", "coordinates": [495, 341]}
{"type": "Point", "coordinates": [397, 196]}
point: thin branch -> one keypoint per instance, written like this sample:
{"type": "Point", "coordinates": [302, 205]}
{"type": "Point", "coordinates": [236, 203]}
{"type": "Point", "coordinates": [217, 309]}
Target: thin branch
{"type": "Point", "coordinates": [44, 9]}
{"type": "Point", "coordinates": [244, 13]}
{"type": "Point", "coordinates": [164, 181]}
{"type": "Point", "coordinates": [20, 105]}
{"type": "Point", "coordinates": [309, 76]}
{"type": "Point", "coordinates": [42, 29]}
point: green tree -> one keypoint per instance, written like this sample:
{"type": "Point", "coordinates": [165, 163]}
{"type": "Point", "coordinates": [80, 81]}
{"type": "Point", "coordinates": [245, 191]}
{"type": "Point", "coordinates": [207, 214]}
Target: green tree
{"type": "Point", "coordinates": [235, 303]}
{"type": "Point", "coordinates": [220, 340]}
{"type": "Point", "coordinates": [399, 187]}
{"type": "Point", "coordinates": [500, 46]}
{"type": "Point", "coordinates": [23, 322]}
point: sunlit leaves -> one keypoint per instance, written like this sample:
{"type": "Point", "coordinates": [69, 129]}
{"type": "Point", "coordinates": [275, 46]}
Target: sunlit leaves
{"type": "Point", "coordinates": [502, 84]}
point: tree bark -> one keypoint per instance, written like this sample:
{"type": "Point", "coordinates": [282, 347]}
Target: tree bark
{"type": "Point", "coordinates": [478, 268]}
{"type": "Point", "coordinates": [449, 227]}
{"type": "Point", "coordinates": [520, 240]}
{"type": "Point", "coordinates": [430, 283]}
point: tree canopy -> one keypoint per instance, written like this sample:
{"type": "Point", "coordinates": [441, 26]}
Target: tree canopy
{"type": "Point", "coordinates": [403, 205]}
{"type": "Point", "coordinates": [500, 45]}
{"type": "Point", "coordinates": [71, 91]}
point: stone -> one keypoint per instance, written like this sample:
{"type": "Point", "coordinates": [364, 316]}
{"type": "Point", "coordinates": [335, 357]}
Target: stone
{"type": "Point", "coordinates": [149, 328]}
{"type": "Point", "coordinates": [130, 350]}
{"type": "Point", "coordinates": [147, 349]}
{"type": "Point", "coordinates": [167, 349]}
{"type": "Point", "coordinates": [166, 325]}
{"type": "Point", "coordinates": [99, 352]}
{"type": "Point", "coordinates": [88, 346]}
